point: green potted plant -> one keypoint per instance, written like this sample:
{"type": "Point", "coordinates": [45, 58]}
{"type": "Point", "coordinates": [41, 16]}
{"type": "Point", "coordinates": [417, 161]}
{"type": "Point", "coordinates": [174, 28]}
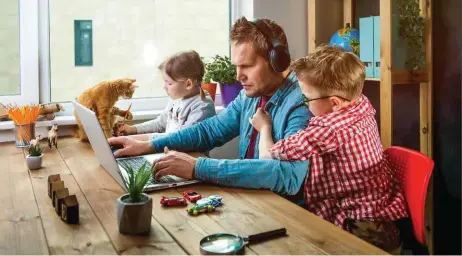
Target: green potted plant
{"type": "Point", "coordinates": [34, 158]}
{"type": "Point", "coordinates": [411, 30]}
{"type": "Point", "coordinates": [207, 83]}
{"type": "Point", "coordinates": [222, 71]}
{"type": "Point", "coordinates": [134, 209]}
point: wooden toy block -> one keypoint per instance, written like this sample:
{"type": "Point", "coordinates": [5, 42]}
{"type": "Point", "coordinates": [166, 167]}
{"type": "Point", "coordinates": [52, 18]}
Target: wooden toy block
{"type": "Point", "coordinates": [70, 210]}
{"type": "Point", "coordinates": [54, 187]}
{"type": "Point", "coordinates": [51, 179]}
{"type": "Point", "coordinates": [59, 198]}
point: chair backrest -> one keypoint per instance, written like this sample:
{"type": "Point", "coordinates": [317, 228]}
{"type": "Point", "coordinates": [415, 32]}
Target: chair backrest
{"type": "Point", "coordinates": [413, 171]}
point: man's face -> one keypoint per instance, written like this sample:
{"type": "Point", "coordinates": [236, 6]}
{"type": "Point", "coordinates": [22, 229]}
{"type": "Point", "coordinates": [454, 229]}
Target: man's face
{"type": "Point", "coordinates": [253, 71]}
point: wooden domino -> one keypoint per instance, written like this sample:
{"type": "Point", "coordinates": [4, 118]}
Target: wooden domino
{"type": "Point", "coordinates": [54, 187]}
{"type": "Point", "coordinates": [59, 198]}
{"type": "Point", "coordinates": [70, 210]}
{"type": "Point", "coordinates": [51, 179]}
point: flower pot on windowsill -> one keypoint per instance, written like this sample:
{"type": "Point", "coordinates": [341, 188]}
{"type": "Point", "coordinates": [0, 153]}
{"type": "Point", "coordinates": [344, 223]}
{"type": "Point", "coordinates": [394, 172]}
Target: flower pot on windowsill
{"type": "Point", "coordinates": [134, 218]}
{"type": "Point", "coordinates": [229, 92]}
{"type": "Point", "coordinates": [211, 88]}
{"type": "Point", "coordinates": [34, 162]}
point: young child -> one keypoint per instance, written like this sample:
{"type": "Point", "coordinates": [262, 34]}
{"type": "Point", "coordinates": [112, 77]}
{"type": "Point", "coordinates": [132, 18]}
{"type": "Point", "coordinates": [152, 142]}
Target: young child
{"type": "Point", "coordinates": [350, 182]}
{"type": "Point", "coordinates": [189, 104]}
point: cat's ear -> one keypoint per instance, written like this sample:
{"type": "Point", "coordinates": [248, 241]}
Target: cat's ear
{"type": "Point", "coordinates": [132, 80]}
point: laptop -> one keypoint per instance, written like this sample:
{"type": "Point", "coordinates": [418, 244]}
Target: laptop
{"type": "Point", "coordinates": [116, 166]}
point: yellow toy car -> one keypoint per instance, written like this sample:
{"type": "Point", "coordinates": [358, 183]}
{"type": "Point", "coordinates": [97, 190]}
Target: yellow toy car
{"type": "Point", "coordinates": [195, 210]}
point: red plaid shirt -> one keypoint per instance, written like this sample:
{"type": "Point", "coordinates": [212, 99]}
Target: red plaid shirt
{"type": "Point", "coordinates": [350, 177]}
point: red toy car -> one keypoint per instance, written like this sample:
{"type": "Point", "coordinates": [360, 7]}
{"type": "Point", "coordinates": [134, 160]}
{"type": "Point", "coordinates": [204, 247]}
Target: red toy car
{"type": "Point", "coordinates": [173, 201]}
{"type": "Point", "coordinates": [192, 195]}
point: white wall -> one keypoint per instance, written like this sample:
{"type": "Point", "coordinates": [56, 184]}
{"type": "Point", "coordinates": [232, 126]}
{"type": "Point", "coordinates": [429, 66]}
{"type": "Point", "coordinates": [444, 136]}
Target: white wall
{"type": "Point", "coordinates": [291, 15]}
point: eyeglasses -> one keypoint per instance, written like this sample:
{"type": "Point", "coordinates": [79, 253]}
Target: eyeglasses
{"type": "Point", "coordinates": [307, 100]}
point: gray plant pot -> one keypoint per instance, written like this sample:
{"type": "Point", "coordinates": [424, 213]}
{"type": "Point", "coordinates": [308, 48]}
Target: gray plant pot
{"type": "Point", "coordinates": [134, 218]}
{"type": "Point", "coordinates": [34, 162]}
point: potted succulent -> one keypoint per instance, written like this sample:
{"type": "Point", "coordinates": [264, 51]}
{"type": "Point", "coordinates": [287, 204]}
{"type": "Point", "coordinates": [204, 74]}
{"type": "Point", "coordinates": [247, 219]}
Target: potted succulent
{"type": "Point", "coordinates": [34, 158]}
{"type": "Point", "coordinates": [134, 209]}
{"type": "Point", "coordinates": [222, 71]}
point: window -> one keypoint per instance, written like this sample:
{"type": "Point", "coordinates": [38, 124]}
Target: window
{"type": "Point", "coordinates": [9, 43]}
{"type": "Point", "coordinates": [19, 52]}
{"type": "Point", "coordinates": [128, 38]}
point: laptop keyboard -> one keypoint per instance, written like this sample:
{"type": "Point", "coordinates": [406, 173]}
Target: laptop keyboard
{"type": "Point", "coordinates": [136, 162]}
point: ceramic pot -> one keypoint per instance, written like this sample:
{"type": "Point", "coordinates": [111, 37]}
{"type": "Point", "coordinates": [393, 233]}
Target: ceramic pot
{"type": "Point", "coordinates": [134, 218]}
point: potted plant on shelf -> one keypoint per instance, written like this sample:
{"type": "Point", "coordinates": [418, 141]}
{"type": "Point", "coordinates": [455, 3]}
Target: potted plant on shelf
{"type": "Point", "coordinates": [34, 158]}
{"type": "Point", "coordinates": [134, 209]}
{"type": "Point", "coordinates": [222, 71]}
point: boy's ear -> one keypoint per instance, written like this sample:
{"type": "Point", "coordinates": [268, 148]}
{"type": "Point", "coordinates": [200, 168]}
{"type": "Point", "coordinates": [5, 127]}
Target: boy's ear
{"type": "Point", "coordinates": [337, 103]}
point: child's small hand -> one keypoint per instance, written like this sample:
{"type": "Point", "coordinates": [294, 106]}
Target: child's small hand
{"type": "Point", "coordinates": [260, 120]}
{"type": "Point", "coordinates": [127, 130]}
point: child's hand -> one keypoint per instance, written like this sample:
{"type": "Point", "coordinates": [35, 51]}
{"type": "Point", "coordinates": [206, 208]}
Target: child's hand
{"type": "Point", "coordinates": [260, 120]}
{"type": "Point", "coordinates": [127, 130]}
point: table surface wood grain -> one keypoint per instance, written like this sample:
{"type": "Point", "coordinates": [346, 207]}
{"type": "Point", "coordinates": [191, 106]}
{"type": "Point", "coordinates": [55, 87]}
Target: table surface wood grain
{"type": "Point", "coordinates": [30, 224]}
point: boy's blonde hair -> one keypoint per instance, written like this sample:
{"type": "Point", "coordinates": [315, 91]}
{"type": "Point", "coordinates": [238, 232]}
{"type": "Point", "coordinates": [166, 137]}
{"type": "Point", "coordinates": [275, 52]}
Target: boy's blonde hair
{"type": "Point", "coordinates": [332, 70]}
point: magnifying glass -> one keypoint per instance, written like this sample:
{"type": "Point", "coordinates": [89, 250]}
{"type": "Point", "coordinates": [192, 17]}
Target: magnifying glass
{"type": "Point", "coordinates": [228, 244]}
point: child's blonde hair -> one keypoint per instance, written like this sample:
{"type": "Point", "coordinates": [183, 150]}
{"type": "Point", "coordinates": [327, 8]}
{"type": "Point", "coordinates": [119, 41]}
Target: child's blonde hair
{"type": "Point", "coordinates": [185, 65]}
{"type": "Point", "coordinates": [332, 70]}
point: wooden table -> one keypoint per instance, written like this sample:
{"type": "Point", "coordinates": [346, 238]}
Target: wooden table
{"type": "Point", "coordinates": [29, 224]}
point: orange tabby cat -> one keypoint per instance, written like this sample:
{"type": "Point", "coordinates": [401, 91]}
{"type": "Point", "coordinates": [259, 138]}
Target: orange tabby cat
{"type": "Point", "coordinates": [101, 99]}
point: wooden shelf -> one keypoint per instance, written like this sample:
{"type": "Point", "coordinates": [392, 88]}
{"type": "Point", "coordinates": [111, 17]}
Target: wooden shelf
{"type": "Point", "coordinates": [408, 77]}
{"type": "Point", "coordinates": [405, 77]}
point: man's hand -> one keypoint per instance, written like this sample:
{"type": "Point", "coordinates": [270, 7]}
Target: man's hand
{"type": "Point", "coordinates": [261, 120]}
{"type": "Point", "coordinates": [130, 146]}
{"type": "Point", "coordinates": [175, 163]}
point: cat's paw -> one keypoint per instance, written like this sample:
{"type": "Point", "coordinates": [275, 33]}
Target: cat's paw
{"type": "Point", "coordinates": [129, 116]}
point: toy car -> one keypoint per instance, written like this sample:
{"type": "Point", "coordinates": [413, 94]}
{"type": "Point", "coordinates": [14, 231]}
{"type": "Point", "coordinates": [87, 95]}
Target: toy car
{"type": "Point", "coordinates": [173, 201]}
{"type": "Point", "coordinates": [211, 199]}
{"type": "Point", "coordinates": [200, 208]}
{"type": "Point", "coordinates": [191, 195]}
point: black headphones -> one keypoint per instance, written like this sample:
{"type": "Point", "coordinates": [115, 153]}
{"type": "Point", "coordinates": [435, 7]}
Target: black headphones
{"type": "Point", "coordinates": [279, 56]}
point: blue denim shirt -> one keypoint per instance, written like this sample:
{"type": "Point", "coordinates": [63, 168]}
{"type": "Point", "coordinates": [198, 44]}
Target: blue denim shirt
{"type": "Point", "coordinates": [289, 115]}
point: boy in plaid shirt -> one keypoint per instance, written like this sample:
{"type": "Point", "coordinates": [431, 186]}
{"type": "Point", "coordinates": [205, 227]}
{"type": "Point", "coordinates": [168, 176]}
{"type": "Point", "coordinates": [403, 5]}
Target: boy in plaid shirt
{"type": "Point", "coordinates": [350, 182]}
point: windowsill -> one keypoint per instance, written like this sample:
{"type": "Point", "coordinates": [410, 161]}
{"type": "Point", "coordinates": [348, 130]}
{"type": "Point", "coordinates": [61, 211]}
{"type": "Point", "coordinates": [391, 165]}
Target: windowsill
{"type": "Point", "coordinates": [70, 120]}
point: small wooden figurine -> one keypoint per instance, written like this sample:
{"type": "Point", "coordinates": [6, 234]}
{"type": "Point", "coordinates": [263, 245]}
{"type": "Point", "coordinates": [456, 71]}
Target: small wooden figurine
{"type": "Point", "coordinates": [70, 210]}
{"type": "Point", "coordinates": [49, 110]}
{"type": "Point", "coordinates": [53, 136]}
{"type": "Point", "coordinates": [55, 186]}
{"type": "Point", "coordinates": [59, 198]}
{"type": "Point", "coordinates": [51, 179]}
{"type": "Point", "coordinates": [36, 141]}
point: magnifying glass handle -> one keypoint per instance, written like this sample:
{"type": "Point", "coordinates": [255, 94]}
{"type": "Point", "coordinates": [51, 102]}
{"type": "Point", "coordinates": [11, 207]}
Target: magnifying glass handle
{"type": "Point", "coordinates": [267, 235]}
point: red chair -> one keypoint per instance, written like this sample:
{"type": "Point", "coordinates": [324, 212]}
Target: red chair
{"type": "Point", "coordinates": [414, 170]}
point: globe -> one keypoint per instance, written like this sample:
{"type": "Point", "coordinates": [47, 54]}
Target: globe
{"type": "Point", "coordinates": [347, 38]}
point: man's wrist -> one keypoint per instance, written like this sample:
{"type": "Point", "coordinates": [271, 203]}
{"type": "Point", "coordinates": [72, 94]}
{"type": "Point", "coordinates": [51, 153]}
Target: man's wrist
{"type": "Point", "coordinates": [148, 147]}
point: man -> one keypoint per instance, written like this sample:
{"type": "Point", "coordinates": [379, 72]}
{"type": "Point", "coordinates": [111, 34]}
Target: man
{"type": "Point", "coordinates": [267, 84]}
